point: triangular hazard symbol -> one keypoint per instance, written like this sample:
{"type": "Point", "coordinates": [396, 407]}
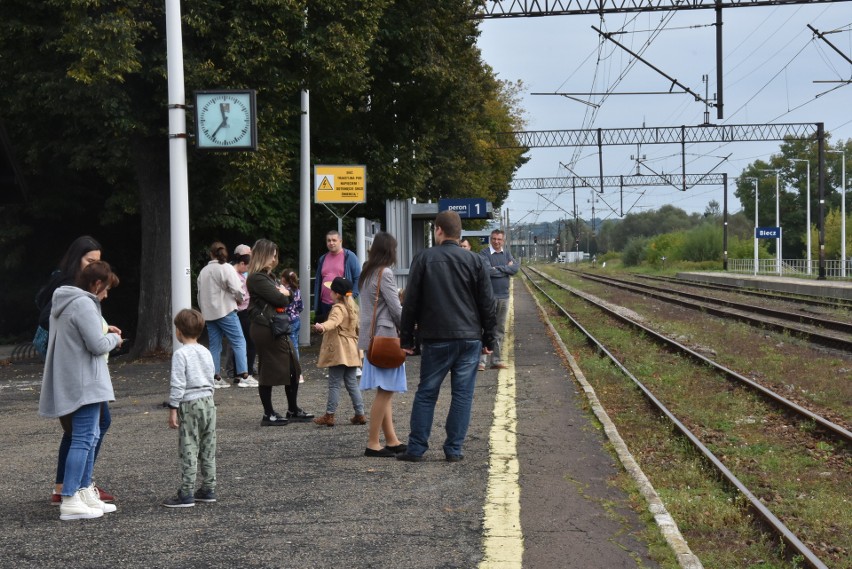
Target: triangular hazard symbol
{"type": "Point", "coordinates": [326, 185]}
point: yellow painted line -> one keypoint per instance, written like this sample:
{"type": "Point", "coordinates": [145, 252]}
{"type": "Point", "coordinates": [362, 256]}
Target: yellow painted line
{"type": "Point", "coordinates": [503, 539]}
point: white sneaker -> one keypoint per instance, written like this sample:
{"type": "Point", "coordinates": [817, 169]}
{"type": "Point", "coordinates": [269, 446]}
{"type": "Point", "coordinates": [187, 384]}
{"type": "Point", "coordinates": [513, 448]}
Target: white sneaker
{"type": "Point", "coordinates": [301, 379]}
{"type": "Point", "coordinates": [220, 384]}
{"type": "Point", "coordinates": [91, 498]}
{"type": "Point", "coordinates": [242, 383]}
{"type": "Point", "coordinates": [75, 508]}
{"type": "Point", "coordinates": [250, 381]}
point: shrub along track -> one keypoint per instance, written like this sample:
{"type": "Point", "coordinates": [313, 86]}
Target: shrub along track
{"type": "Point", "coordinates": [750, 441]}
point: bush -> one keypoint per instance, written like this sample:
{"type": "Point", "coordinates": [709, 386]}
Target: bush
{"type": "Point", "coordinates": [704, 243]}
{"type": "Point", "coordinates": [634, 252]}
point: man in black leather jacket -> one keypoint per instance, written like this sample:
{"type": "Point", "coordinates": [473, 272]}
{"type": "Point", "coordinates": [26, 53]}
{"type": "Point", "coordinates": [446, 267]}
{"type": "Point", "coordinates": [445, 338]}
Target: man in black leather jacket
{"type": "Point", "coordinates": [449, 299]}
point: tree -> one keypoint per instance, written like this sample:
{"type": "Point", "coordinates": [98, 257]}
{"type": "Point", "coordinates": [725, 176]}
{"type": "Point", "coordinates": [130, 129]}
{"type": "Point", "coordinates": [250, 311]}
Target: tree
{"type": "Point", "coordinates": [793, 176]}
{"type": "Point", "coordinates": [395, 85]}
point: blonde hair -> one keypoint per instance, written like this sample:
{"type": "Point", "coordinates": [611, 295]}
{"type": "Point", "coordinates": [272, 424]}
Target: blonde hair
{"type": "Point", "coordinates": [263, 255]}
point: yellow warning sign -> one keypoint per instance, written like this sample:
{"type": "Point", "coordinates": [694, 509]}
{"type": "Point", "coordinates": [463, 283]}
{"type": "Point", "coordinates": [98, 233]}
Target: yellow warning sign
{"type": "Point", "coordinates": [326, 184]}
{"type": "Point", "coordinates": [340, 184]}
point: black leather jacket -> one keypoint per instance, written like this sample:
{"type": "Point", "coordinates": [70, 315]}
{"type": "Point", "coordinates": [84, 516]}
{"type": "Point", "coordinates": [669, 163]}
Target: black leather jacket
{"type": "Point", "coordinates": [448, 297]}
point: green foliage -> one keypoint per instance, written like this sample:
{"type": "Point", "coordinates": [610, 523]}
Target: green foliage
{"type": "Point", "coordinates": [399, 86]}
{"type": "Point", "coordinates": [634, 252]}
{"type": "Point", "coordinates": [667, 219]}
{"type": "Point", "coordinates": [793, 189]}
{"type": "Point", "coordinates": [833, 233]}
{"type": "Point", "coordinates": [703, 243]}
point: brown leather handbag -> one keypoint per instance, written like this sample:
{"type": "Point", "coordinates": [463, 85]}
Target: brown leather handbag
{"type": "Point", "coordinates": [384, 351]}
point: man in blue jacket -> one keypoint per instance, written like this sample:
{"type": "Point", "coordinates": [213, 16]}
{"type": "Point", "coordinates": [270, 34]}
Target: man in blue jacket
{"type": "Point", "coordinates": [338, 262]}
{"type": "Point", "coordinates": [501, 266]}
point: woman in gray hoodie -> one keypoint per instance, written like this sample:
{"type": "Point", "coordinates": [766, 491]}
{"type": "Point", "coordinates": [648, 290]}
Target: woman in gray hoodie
{"type": "Point", "coordinates": [76, 381]}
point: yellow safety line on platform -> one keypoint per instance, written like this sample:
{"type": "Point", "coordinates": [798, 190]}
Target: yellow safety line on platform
{"type": "Point", "coordinates": [503, 539]}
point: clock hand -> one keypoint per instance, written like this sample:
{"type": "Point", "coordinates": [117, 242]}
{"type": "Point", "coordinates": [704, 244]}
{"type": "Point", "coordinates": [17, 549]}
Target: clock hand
{"type": "Point", "coordinates": [223, 124]}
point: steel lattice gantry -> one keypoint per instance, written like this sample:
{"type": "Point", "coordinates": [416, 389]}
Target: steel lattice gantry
{"type": "Point", "coordinates": [638, 180]}
{"type": "Point", "coordinates": [656, 135]}
{"type": "Point", "coordinates": [682, 135]}
{"type": "Point", "coordinates": [531, 8]}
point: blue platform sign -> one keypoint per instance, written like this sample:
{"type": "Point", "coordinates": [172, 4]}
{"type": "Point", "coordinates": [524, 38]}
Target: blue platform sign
{"type": "Point", "coordinates": [767, 232]}
{"type": "Point", "coordinates": [467, 208]}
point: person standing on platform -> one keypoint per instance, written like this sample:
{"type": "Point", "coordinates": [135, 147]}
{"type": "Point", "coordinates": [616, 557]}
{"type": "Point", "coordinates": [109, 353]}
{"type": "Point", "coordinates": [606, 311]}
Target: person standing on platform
{"type": "Point", "coordinates": [277, 363]}
{"type": "Point", "coordinates": [76, 382]}
{"type": "Point", "coordinates": [449, 300]}
{"type": "Point", "coordinates": [242, 257]}
{"type": "Point", "coordinates": [219, 293]}
{"type": "Point", "coordinates": [338, 262]}
{"type": "Point", "coordinates": [193, 412]}
{"type": "Point", "coordinates": [464, 244]}
{"type": "Point", "coordinates": [381, 301]}
{"type": "Point", "coordinates": [290, 279]}
{"type": "Point", "coordinates": [339, 353]}
{"type": "Point", "coordinates": [501, 266]}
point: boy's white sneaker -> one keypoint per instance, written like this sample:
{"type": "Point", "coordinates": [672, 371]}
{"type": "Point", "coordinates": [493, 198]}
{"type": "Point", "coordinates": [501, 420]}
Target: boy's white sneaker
{"type": "Point", "coordinates": [220, 384]}
{"type": "Point", "coordinates": [91, 498]}
{"type": "Point", "coordinates": [75, 508]}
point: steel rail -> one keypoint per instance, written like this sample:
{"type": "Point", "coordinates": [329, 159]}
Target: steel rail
{"type": "Point", "coordinates": [838, 342]}
{"type": "Point", "coordinates": [754, 291]}
{"type": "Point", "coordinates": [768, 517]}
{"type": "Point", "coordinates": [806, 319]}
{"type": "Point", "coordinates": [833, 428]}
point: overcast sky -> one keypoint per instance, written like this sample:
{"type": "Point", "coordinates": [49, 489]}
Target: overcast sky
{"type": "Point", "coordinates": [771, 62]}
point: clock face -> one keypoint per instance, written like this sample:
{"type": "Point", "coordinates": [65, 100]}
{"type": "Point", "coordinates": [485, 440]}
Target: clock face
{"type": "Point", "coordinates": [225, 120]}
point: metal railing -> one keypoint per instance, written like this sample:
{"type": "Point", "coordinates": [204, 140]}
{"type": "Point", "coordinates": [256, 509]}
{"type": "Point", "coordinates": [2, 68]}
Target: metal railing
{"type": "Point", "coordinates": [790, 267]}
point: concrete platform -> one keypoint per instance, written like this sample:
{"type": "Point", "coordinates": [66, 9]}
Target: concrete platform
{"type": "Point", "coordinates": [532, 491]}
{"type": "Point", "coordinates": [810, 287]}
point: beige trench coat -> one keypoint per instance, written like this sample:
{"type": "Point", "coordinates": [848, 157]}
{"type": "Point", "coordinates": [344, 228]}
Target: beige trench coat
{"type": "Point", "coordinates": [340, 339]}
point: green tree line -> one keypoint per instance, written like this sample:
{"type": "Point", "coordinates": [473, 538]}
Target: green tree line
{"type": "Point", "coordinates": [397, 85]}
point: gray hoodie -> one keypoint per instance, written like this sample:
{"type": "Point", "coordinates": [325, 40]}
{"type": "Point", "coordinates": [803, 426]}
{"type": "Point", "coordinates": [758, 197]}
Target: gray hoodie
{"type": "Point", "coordinates": [75, 373]}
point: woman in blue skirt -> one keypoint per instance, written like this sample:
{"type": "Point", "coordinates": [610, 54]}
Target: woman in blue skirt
{"type": "Point", "coordinates": [377, 273]}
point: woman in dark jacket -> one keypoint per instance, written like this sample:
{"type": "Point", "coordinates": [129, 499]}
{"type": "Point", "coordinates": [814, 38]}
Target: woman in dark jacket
{"type": "Point", "coordinates": [277, 362]}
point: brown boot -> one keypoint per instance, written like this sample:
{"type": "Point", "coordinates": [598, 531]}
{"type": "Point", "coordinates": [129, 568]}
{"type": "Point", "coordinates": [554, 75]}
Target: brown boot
{"type": "Point", "coordinates": [327, 420]}
{"type": "Point", "coordinates": [358, 420]}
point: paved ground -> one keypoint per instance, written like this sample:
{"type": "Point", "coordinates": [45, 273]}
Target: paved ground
{"type": "Point", "coordinates": [305, 496]}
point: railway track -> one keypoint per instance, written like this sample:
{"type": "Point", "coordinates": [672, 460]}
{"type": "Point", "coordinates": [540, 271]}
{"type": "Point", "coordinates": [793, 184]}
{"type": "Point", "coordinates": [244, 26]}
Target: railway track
{"type": "Point", "coordinates": [827, 303]}
{"type": "Point", "coordinates": [826, 332]}
{"type": "Point", "coordinates": [838, 432]}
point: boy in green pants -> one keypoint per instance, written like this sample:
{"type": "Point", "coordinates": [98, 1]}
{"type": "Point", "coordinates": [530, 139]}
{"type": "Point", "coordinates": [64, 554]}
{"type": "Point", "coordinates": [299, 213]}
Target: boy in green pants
{"type": "Point", "coordinates": [192, 411]}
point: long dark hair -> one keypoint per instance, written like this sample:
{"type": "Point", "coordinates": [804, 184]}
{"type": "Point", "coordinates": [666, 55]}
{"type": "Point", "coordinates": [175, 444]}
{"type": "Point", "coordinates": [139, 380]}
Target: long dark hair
{"type": "Point", "coordinates": [382, 254]}
{"type": "Point", "coordinates": [69, 266]}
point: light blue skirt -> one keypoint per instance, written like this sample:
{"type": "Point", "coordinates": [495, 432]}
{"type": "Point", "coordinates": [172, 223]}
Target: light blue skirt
{"type": "Point", "coordinates": [389, 379]}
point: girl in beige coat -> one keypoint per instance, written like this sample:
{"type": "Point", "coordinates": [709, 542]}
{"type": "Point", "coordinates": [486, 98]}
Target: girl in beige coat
{"type": "Point", "coordinates": [339, 352]}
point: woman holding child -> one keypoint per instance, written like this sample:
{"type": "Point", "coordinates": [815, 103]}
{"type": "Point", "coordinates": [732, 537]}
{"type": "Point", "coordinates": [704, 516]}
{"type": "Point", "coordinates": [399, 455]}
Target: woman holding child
{"type": "Point", "coordinates": [277, 361]}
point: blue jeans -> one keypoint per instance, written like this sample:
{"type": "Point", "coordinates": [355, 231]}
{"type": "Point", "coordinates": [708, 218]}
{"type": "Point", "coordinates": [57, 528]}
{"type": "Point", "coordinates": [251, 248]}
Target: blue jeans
{"type": "Point", "coordinates": [347, 375]}
{"type": "Point", "coordinates": [228, 326]}
{"type": "Point", "coordinates": [81, 455]}
{"type": "Point", "coordinates": [65, 444]}
{"type": "Point", "coordinates": [295, 326]}
{"type": "Point", "coordinates": [459, 357]}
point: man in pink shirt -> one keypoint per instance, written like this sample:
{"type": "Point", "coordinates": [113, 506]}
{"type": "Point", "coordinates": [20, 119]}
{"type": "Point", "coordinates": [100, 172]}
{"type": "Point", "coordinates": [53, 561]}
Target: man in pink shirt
{"type": "Point", "coordinates": [338, 262]}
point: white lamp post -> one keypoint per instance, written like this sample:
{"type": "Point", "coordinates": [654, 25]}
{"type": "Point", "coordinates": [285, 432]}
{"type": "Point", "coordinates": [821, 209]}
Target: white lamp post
{"type": "Point", "coordinates": [808, 201]}
{"type": "Point", "coordinates": [778, 244]}
{"type": "Point", "coordinates": [755, 223]}
{"type": "Point", "coordinates": [842, 213]}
